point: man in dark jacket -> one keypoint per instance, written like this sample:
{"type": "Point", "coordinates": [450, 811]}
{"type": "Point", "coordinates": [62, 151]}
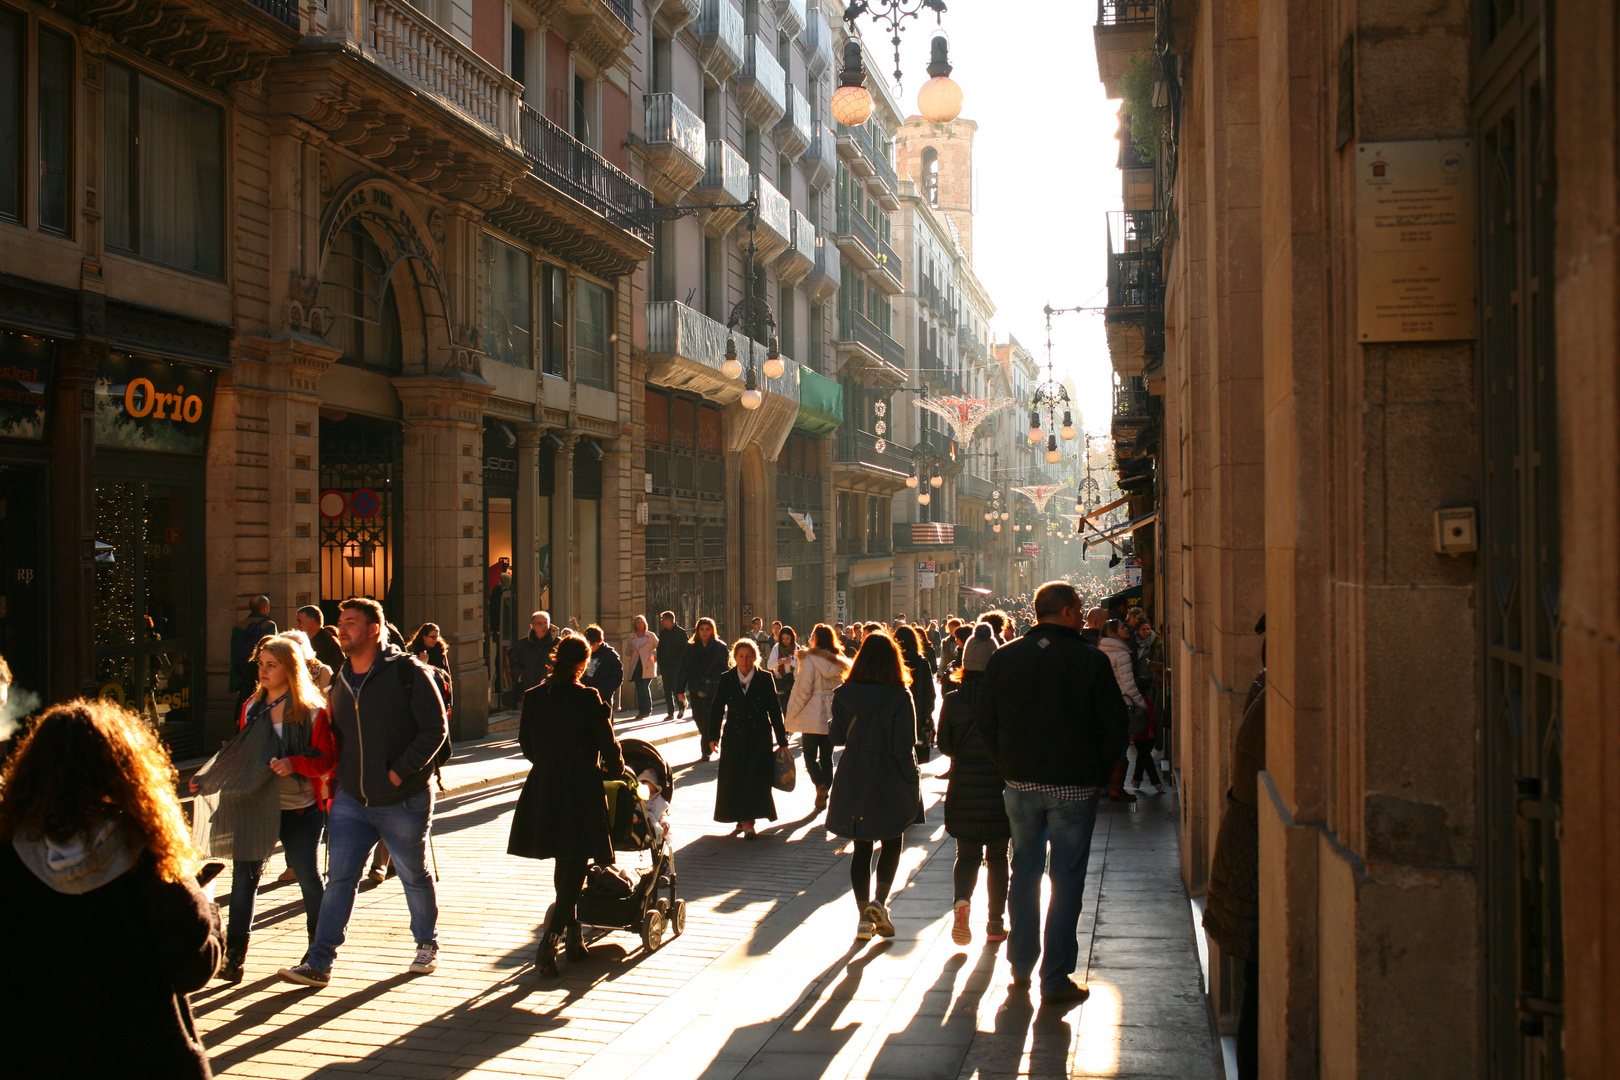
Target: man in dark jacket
{"type": "Point", "coordinates": [1096, 619]}
{"type": "Point", "coordinates": [672, 641]}
{"type": "Point", "coordinates": [323, 639]}
{"type": "Point", "coordinates": [604, 673]}
{"type": "Point", "coordinates": [390, 726]}
{"type": "Point", "coordinates": [1054, 721]}
{"type": "Point", "coordinates": [528, 661]}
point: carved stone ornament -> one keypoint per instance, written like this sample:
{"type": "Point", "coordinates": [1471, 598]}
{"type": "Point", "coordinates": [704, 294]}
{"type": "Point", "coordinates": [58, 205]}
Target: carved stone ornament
{"type": "Point", "coordinates": [436, 227]}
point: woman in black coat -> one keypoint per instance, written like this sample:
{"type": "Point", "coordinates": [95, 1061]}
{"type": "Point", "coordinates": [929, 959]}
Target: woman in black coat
{"type": "Point", "coordinates": [110, 931]}
{"type": "Point", "coordinates": [744, 716]}
{"type": "Point", "coordinates": [706, 659]}
{"type": "Point", "coordinates": [922, 688]}
{"type": "Point", "coordinates": [566, 731]}
{"type": "Point", "coordinates": [975, 813]}
{"type": "Point", "coordinates": [876, 791]}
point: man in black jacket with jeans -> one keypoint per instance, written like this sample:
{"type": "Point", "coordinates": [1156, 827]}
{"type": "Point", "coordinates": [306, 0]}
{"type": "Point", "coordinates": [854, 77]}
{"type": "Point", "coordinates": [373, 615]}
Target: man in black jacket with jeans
{"type": "Point", "coordinates": [1054, 722]}
{"type": "Point", "coordinates": [389, 722]}
{"type": "Point", "coordinates": [672, 642]}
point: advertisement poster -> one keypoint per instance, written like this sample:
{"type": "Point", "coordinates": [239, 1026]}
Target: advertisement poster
{"type": "Point", "coordinates": [25, 369]}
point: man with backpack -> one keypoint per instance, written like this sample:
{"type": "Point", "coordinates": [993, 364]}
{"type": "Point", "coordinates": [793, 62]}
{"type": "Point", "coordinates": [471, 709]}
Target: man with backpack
{"type": "Point", "coordinates": [245, 638]}
{"type": "Point", "coordinates": [389, 721]}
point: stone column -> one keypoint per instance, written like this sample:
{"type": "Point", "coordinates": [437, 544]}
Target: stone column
{"type": "Point", "coordinates": [73, 509]}
{"type": "Point", "coordinates": [526, 522]}
{"type": "Point", "coordinates": [564, 581]}
{"type": "Point", "coordinates": [617, 568]}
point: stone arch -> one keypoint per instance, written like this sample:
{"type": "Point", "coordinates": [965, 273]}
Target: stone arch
{"type": "Point", "coordinates": [930, 175]}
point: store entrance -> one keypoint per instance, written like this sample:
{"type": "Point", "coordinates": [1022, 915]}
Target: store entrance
{"type": "Point", "coordinates": [24, 615]}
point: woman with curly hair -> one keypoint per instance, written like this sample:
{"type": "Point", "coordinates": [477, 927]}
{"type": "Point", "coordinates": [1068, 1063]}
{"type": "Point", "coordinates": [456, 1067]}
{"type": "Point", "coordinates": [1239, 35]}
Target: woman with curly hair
{"type": "Point", "coordinates": [95, 869]}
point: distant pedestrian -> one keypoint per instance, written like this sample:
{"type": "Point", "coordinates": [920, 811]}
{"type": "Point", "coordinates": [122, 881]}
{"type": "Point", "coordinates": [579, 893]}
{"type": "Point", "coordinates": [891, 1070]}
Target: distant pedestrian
{"type": "Point", "coordinates": [761, 637]}
{"type": "Point", "coordinates": [428, 646]}
{"type": "Point", "coordinates": [271, 784]}
{"type": "Point", "coordinates": [1116, 645]}
{"type": "Point", "coordinates": [1096, 618]}
{"type": "Point", "coordinates": [809, 709]}
{"type": "Point", "coordinates": [959, 637]}
{"type": "Point", "coordinates": [743, 719]}
{"type": "Point", "coordinates": [877, 790]}
{"type": "Point", "coordinates": [528, 661]}
{"type": "Point", "coordinates": [1054, 722]}
{"type": "Point", "coordinates": [322, 638]}
{"type": "Point", "coordinates": [783, 663]}
{"type": "Point", "coordinates": [566, 731]}
{"type": "Point", "coordinates": [672, 642]}
{"type": "Point", "coordinates": [109, 930]}
{"type": "Point", "coordinates": [705, 660]}
{"type": "Point", "coordinates": [604, 672]}
{"type": "Point", "coordinates": [245, 637]}
{"type": "Point", "coordinates": [641, 653]}
{"type": "Point", "coordinates": [975, 813]}
{"type": "Point", "coordinates": [950, 647]}
{"type": "Point", "coordinates": [1001, 625]}
{"type": "Point", "coordinates": [923, 697]}
{"type": "Point", "coordinates": [386, 754]}
{"type": "Point", "coordinates": [319, 673]}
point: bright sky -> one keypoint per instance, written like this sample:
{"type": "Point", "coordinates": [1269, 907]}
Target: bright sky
{"type": "Point", "coordinates": [1045, 156]}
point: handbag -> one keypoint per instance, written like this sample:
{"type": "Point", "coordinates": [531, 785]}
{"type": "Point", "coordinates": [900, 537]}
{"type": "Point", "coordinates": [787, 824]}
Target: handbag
{"type": "Point", "coordinates": [785, 774]}
{"type": "Point", "coordinates": [1139, 721]}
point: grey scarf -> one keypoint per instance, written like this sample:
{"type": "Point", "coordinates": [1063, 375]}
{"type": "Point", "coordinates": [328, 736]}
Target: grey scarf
{"type": "Point", "coordinates": [237, 814]}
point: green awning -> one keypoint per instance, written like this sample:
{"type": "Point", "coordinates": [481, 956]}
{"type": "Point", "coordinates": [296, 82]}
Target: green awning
{"type": "Point", "coordinates": [821, 403]}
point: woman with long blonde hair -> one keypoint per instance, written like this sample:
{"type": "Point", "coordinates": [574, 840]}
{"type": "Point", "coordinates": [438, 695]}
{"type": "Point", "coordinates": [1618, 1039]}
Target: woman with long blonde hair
{"type": "Point", "coordinates": [95, 874]}
{"type": "Point", "coordinates": [247, 805]}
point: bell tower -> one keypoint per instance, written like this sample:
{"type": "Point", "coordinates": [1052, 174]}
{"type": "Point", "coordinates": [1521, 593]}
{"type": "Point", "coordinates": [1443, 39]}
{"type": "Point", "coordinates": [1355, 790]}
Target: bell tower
{"type": "Point", "coordinates": [939, 159]}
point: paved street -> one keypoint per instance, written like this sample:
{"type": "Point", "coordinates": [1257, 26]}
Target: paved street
{"type": "Point", "coordinates": [767, 980]}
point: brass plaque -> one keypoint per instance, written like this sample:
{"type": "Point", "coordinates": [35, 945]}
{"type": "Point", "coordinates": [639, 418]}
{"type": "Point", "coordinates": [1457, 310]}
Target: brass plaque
{"type": "Point", "coordinates": [1416, 269]}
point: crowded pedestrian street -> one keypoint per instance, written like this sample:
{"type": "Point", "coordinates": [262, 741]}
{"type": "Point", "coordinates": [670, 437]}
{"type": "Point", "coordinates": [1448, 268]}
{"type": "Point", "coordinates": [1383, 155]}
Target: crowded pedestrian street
{"type": "Point", "coordinates": [764, 981]}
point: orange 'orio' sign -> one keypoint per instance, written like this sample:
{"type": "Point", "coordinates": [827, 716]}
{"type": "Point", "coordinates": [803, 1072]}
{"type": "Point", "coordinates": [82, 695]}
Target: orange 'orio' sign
{"type": "Point", "coordinates": [142, 399]}
{"type": "Point", "coordinates": [153, 404]}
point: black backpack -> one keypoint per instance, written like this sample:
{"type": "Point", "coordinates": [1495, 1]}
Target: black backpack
{"type": "Point", "coordinates": [407, 682]}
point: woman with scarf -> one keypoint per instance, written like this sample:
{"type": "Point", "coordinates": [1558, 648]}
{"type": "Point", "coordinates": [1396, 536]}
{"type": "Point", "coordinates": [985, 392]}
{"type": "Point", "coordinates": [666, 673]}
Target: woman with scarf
{"type": "Point", "coordinates": [706, 659]}
{"type": "Point", "coordinates": [269, 783]}
{"type": "Point", "coordinates": [742, 720]}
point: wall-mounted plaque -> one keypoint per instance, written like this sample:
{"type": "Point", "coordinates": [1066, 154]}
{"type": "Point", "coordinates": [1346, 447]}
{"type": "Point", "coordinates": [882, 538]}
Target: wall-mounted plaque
{"type": "Point", "coordinates": [1416, 276]}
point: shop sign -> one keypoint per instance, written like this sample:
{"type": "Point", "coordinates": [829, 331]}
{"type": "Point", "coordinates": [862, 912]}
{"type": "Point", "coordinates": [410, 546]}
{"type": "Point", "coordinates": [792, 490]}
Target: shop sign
{"type": "Point", "coordinates": [500, 469]}
{"type": "Point", "coordinates": [840, 606]}
{"type": "Point", "coordinates": [1031, 549]}
{"type": "Point", "coordinates": [784, 573]}
{"type": "Point", "coordinates": [926, 572]}
{"type": "Point", "coordinates": [1133, 573]}
{"type": "Point", "coordinates": [153, 405]}
{"type": "Point", "coordinates": [25, 369]}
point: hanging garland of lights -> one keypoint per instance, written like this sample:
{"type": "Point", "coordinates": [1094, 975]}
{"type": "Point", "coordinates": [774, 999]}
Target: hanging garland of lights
{"type": "Point", "coordinates": [939, 100]}
{"type": "Point", "coordinates": [997, 513]}
{"type": "Point", "coordinates": [1050, 395]}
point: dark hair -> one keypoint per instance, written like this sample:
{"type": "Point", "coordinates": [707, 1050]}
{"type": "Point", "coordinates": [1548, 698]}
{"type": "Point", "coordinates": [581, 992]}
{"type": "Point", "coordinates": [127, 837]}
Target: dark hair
{"type": "Point", "coordinates": [670, 615]}
{"type": "Point", "coordinates": [791, 633]}
{"type": "Point", "coordinates": [1113, 626]}
{"type": "Point", "coordinates": [415, 644]}
{"type": "Point", "coordinates": [962, 632]}
{"type": "Point", "coordinates": [999, 621]}
{"type": "Point", "coordinates": [823, 637]}
{"type": "Point", "coordinates": [570, 655]}
{"type": "Point", "coordinates": [714, 634]}
{"type": "Point", "coordinates": [372, 611]}
{"type": "Point", "coordinates": [313, 612]}
{"type": "Point", "coordinates": [1053, 598]}
{"type": "Point", "coordinates": [909, 640]}
{"type": "Point", "coordinates": [593, 634]}
{"type": "Point", "coordinates": [871, 627]}
{"type": "Point", "coordinates": [879, 662]}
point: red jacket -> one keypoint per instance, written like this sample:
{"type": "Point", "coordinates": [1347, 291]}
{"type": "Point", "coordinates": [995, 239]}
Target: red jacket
{"type": "Point", "coordinates": [318, 766]}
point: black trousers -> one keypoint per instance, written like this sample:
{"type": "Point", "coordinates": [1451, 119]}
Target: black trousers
{"type": "Point", "coordinates": [965, 874]}
{"type": "Point", "coordinates": [670, 704]}
{"type": "Point", "coordinates": [1144, 759]}
{"type": "Point", "coordinates": [818, 758]}
{"type": "Point", "coordinates": [569, 879]}
{"type": "Point", "coordinates": [860, 869]}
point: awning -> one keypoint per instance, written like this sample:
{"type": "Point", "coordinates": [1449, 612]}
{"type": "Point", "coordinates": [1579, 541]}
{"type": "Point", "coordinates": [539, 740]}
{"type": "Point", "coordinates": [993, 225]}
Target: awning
{"type": "Point", "coordinates": [1101, 510]}
{"type": "Point", "coordinates": [1129, 526]}
{"type": "Point", "coordinates": [969, 590]}
{"type": "Point", "coordinates": [821, 403]}
{"type": "Point", "coordinates": [1132, 593]}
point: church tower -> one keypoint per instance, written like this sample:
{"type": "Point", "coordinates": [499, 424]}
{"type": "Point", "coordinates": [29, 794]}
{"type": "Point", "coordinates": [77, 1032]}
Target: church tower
{"type": "Point", "coordinates": [939, 159]}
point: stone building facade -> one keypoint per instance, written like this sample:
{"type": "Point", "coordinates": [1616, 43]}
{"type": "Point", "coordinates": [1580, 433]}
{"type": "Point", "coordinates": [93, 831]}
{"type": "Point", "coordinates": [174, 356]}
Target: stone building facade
{"type": "Point", "coordinates": [1411, 476]}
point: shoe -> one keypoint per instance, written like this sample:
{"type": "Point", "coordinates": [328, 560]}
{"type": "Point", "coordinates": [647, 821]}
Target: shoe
{"type": "Point", "coordinates": [427, 958]}
{"type": "Point", "coordinates": [881, 923]}
{"type": "Point", "coordinates": [545, 956]}
{"type": "Point", "coordinates": [377, 876]}
{"type": "Point", "coordinates": [235, 956]}
{"type": "Point", "coordinates": [747, 832]}
{"type": "Point", "coordinates": [1122, 797]}
{"type": "Point", "coordinates": [1159, 788]}
{"type": "Point", "coordinates": [821, 797]}
{"type": "Point", "coordinates": [863, 932]}
{"type": "Point", "coordinates": [1020, 982]}
{"type": "Point", "coordinates": [305, 975]}
{"type": "Point", "coordinates": [961, 933]}
{"type": "Point", "coordinates": [577, 952]}
{"type": "Point", "coordinates": [286, 876]}
{"type": "Point", "coordinates": [1071, 991]}
{"type": "Point", "coordinates": [995, 930]}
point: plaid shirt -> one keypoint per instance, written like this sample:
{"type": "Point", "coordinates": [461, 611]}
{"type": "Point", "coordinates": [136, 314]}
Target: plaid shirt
{"type": "Point", "coordinates": [1071, 792]}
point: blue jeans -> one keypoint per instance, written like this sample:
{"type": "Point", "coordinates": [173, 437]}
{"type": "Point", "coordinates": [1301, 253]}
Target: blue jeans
{"type": "Point", "coordinates": [643, 697]}
{"type": "Point", "coordinates": [301, 840]}
{"type": "Point", "coordinates": [1038, 819]}
{"type": "Point", "coordinates": [352, 829]}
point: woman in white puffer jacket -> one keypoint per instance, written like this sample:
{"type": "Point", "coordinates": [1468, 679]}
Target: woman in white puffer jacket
{"type": "Point", "coordinates": [1116, 645]}
{"type": "Point", "coordinates": [809, 707]}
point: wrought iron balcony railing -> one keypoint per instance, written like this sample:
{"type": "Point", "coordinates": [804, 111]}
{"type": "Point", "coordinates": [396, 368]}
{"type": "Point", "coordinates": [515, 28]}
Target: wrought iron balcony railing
{"type": "Point", "coordinates": [856, 327]}
{"type": "Point", "coordinates": [1130, 402]}
{"type": "Point", "coordinates": [572, 167]}
{"type": "Point", "coordinates": [1135, 274]}
{"type": "Point", "coordinates": [284, 10]}
{"type": "Point", "coordinates": [859, 448]}
{"type": "Point", "coordinates": [1133, 13]}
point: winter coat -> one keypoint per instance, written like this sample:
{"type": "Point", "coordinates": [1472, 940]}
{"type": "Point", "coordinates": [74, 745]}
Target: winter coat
{"type": "Point", "coordinates": [809, 709]}
{"type": "Point", "coordinates": [567, 733]}
{"type": "Point", "coordinates": [396, 722]}
{"type": "Point", "coordinates": [974, 809]}
{"type": "Point", "coordinates": [1232, 910]}
{"type": "Point", "coordinates": [317, 763]}
{"type": "Point", "coordinates": [1123, 658]}
{"type": "Point", "coordinates": [701, 667]}
{"type": "Point", "coordinates": [530, 658]}
{"type": "Point", "coordinates": [643, 649]}
{"type": "Point", "coordinates": [671, 651]}
{"type": "Point", "coordinates": [1050, 711]}
{"type": "Point", "coordinates": [923, 698]}
{"type": "Point", "coordinates": [604, 673]}
{"type": "Point", "coordinates": [743, 723]}
{"type": "Point", "coordinates": [106, 954]}
{"type": "Point", "coordinates": [877, 790]}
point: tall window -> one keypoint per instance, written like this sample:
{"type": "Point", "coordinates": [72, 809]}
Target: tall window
{"type": "Point", "coordinates": [593, 314]}
{"type": "Point", "coordinates": [507, 304]}
{"type": "Point", "coordinates": [553, 320]}
{"type": "Point", "coordinates": [12, 30]}
{"type": "Point", "coordinates": [930, 171]}
{"type": "Point", "coordinates": [165, 173]}
{"type": "Point", "coordinates": [52, 105]}
{"type": "Point", "coordinates": [785, 330]}
{"type": "Point", "coordinates": [713, 266]}
{"type": "Point", "coordinates": [356, 289]}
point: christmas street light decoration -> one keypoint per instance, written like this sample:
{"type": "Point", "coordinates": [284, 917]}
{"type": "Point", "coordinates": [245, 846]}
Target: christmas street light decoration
{"type": "Point", "coordinates": [964, 413]}
{"type": "Point", "coordinates": [1041, 494]}
{"type": "Point", "coordinates": [1050, 395]}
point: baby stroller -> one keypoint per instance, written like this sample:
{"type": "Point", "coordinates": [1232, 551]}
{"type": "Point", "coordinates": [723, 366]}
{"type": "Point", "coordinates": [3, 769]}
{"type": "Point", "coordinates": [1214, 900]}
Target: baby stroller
{"type": "Point", "coordinates": [614, 899]}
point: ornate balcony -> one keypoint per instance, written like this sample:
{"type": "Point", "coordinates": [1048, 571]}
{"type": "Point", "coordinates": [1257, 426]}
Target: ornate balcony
{"type": "Point", "coordinates": [856, 451]}
{"type": "Point", "coordinates": [826, 274]}
{"type": "Point", "coordinates": [761, 84]}
{"type": "Point", "coordinates": [790, 17]}
{"type": "Point", "coordinates": [821, 156]}
{"type": "Point", "coordinates": [685, 350]}
{"type": "Point", "coordinates": [677, 146]}
{"type": "Point", "coordinates": [793, 133]}
{"type": "Point", "coordinates": [599, 30]}
{"type": "Point", "coordinates": [725, 180]}
{"type": "Point", "coordinates": [720, 37]}
{"type": "Point", "coordinates": [797, 260]}
{"type": "Point", "coordinates": [818, 46]}
{"type": "Point", "coordinates": [1124, 28]}
{"type": "Point", "coordinates": [569, 165]}
{"type": "Point", "coordinates": [870, 350]}
{"type": "Point", "coordinates": [928, 535]}
{"type": "Point", "coordinates": [773, 231]}
{"type": "Point", "coordinates": [672, 16]}
{"type": "Point", "coordinates": [857, 238]}
{"type": "Point", "coordinates": [1134, 318]}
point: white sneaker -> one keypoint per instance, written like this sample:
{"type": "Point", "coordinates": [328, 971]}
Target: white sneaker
{"type": "Point", "coordinates": [863, 932]}
{"type": "Point", "coordinates": [427, 958]}
{"type": "Point", "coordinates": [878, 915]}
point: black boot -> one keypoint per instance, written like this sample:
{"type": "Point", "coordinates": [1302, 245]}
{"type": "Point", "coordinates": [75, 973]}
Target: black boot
{"type": "Point", "coordinates": [235, 957]}
{"type": "Point", "coordinates": [545, 956]}
{"type": "Point", "coordinates": [577, 952]}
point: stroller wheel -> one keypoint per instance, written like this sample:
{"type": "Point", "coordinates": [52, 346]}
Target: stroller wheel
{"type": "Point", "coordinates": [652, 929]}
{"type": "Point", "coordinates": [663, 905]}
{"type": "Point", "coordinates": [677, 917]}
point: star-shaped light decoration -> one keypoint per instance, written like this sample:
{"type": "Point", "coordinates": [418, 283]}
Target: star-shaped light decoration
{"type": "Point", "coordinates": [1041, 494]}
{"type": "Point", "coordinates": [964, 413]}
